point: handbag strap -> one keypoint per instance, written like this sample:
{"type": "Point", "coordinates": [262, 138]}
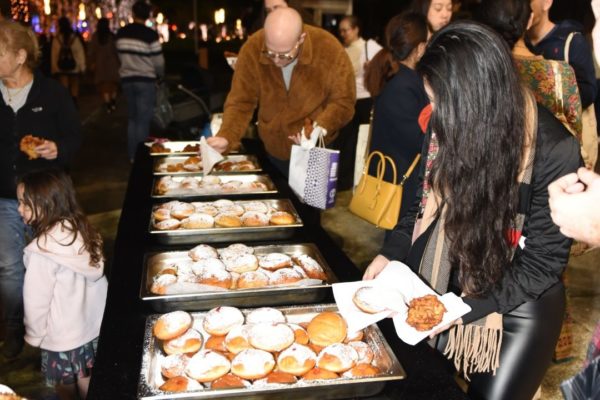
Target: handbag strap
{"type": "Point", "coordinates": [380, 169]}
{"type": "Point", "coordinates": [568, 46]}
{"type": "Point", "coordinates": [558, 86]}
{"type": "Point", "coordinates": [410, 169]}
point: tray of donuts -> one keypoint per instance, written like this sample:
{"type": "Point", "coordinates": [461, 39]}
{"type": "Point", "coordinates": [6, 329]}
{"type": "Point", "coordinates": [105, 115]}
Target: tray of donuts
{"type": "Point", "coordinates": [178, 147]}
{"type": "Point", "coordinates": [295, 352]}
{"type": "Point", "coordinates": [169, 186]}
{"type": "Point", "coordinates": [237, 275]}
{"type": "Point", "coordinates": [223, 220]}
{"type": "Point", "coordinates": [182, 165]}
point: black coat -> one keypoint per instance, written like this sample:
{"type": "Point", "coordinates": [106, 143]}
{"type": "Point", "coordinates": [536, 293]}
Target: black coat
{"type": "Point", "coordinates": [48, 113]}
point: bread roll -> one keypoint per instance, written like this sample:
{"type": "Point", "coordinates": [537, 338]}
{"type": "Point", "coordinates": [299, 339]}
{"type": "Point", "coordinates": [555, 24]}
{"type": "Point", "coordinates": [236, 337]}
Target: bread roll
{"type": "Point", "coordinates": [327, 328]}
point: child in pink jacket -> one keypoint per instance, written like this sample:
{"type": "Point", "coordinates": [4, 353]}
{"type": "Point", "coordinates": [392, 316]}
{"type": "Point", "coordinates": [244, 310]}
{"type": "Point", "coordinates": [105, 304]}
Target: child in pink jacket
{"type": "Point", "coordinates": [65, 288]}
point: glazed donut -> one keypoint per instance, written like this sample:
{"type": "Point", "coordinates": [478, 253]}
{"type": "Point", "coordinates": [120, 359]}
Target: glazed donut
{"type": "Point", "coordinates": [252, 364]}
{"type": "Point", "coordinates": [327, 328]}
{"type": "Point", "coordinates": [182, 210]}
{"type": "Point", "coordinates": [319, 374]}
{"type": "Point", "coordinates": [252, 280]}
{"type": "Point", "coordinates": [238, 339]}
{"type": "Point", "coordinates": [223, 202]}
{"type": "Point", "coordinates": [361, 371]}
{"type": "Point", "coordinates": [169, 326]}
{"type": "Point", "coordinates": [180, 384]}
{"type": "Point", "coordinates": [276, 377]}
{"type": "Point", "coordinates": [242, 263]}
{"type": "Point", "coordinates": [300, 335]}
{"type": "Point", "coordinates": [364, 351]}
{"type": "Point", "coordinates": [337, 357]}
{"type": "Point", "coordinates": [161, 214]}
{"type": "Point", "coordinates": [216, 343]}
{"type": "Point", "coordinates": [173, 365]}
{"type": "Point", "coordinates": [207, 365]}
{"type": "Point", "coordinates": [265, 315]}
{"type": "Point", "coordinates": [167, 225]}
{"type": "Point", "coordinates": [253, 218]}
{"type": "Point", "coordinates": [228, 221]}
{"type": "Point", "coordinates": [230, 381]}
{"type": "Point", "coordinates": [220, 320]}
{"type": "Point", "coordinates": [161, 282]}
{"type": "Point", "coordinates": [282, 218]}
{"type": "Point", "coordinates": [368, 299]}
{"type": "Point", "coordinates": [274, 261]}
{"type": "Point", "coordinates": [214, 275]}
{"type": "Point", "coordinates": [271, 337]}
{"type": "Point", "coordinates": [285, 276]}
{"type": "Point", "coordinates": [256, 206]}
{"type": "Point", "coordinates": [206, 208]}
{"type": "Point", "coordinates": [202, 251]}
{"type": "Point", "coordinates": [198, 221]}
{"type": "Point", "coordinates": [207, 263]}
{"type": "Point", "coordinates": [189, 342]}
{"type": "Point", "coordinates": [296, 360]}
{"type": "Point", "coordinates": [310, 266]}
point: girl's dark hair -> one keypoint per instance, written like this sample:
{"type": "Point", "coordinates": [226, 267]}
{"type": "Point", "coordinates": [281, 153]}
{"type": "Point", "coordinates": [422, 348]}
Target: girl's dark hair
{"type": "Point", "coordinates": [420, 6]}
{"type": "Point", "coordinates": [64, 27]}
{"type": "Point", "coordinates": [507, 17]}
{"type": "Point", "coordinates": [403, 34]}
{"type": "Point", "coordinates": [103, 30]}
{"type": "Point", "coordinates": [479, 119]}
{"type": "Point", "coordinates": [51, 196]}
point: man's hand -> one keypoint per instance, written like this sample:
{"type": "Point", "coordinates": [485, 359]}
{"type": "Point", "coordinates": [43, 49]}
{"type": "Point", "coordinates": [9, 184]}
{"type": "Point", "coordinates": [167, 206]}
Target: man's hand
{"type": "Point", "coordinates": [218, 143]}
{"type": "Point", "coordinates": [376, 266]}
{"type": "Point", "coordinates": [47, 150]}
{"type": "Point", "coordinates": [574, 200]}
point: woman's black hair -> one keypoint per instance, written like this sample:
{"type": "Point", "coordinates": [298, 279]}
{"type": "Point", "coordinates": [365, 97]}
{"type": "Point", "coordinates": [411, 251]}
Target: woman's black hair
{"type": "Point", "coordinates": [65, 28]}
{"type": "Point", "coordinates": [103, 30]}
{"type": "Point", "coordinates": [479, 120]}
{"type": "Point", "coordinates": [507, 17]}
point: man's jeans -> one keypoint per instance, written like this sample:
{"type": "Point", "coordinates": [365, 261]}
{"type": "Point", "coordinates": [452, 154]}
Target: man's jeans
{"type": "Point", "coordinates": [141, 98]}
{"type": "Point", "coordinates": [12, 270]}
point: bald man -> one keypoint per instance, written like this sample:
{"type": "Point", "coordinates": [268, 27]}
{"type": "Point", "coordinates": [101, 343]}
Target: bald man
{"type": "Point", "coordinates": [290, 71]}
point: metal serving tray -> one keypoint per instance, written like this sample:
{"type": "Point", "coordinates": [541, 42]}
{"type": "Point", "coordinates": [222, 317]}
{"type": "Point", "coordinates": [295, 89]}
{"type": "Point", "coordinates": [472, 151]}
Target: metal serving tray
{"type": "Point", "coordinates": [197, 193]}
{"type": "Point", "coordinates": [267, 296]}
{"type": "Point", "coordinates": [241, 234]}
{"type": "Point", "coordinates": [386, 361]}
{"type": "Point", "coordinates": [171, 159]}
{"type": "Point", "coordinates": [177, 147]}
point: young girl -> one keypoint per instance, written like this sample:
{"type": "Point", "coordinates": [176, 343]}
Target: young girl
{"type": "Point", "coordinates": [65, 287]}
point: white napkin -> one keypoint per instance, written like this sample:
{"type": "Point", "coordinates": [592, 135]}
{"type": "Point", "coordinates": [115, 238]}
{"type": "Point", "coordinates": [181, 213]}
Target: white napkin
{"type": "Point", "coordinates": [398, 285]}
{"type": "Point", "coordinates": [209, 156]}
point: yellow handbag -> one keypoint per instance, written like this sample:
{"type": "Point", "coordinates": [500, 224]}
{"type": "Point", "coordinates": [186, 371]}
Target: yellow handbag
{"type": "Point", "coordinates": [376, 200]}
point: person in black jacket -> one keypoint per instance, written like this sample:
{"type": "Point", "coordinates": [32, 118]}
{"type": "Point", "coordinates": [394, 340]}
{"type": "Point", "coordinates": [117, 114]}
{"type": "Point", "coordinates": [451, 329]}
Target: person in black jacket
{"type": "Point", "coordinates": [31, 104]}
{"type": "Point", "coordinates": [481, 225]}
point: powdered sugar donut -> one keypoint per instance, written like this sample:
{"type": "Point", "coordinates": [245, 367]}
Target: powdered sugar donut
{"type": "Point", "coordinates": [238, 339]}
{"type": "Point", "coordinates": [253, 218]}
{"type": "Point", "coordinates": [231, 186]}
{"type": "Point", "coordinates": [252, 364]}
{"type": "Point", "coordinates": [198, 221]}
{"type": "Point", "coordinates": [296, 359]}
{"type": "Point", "coordinates": [161, 214]}
{"type": "Point", "coordinates": [337, 357]}
{"type": "Point", "coordinates": [189, 342]}
{"type": "Point", "coordinates": [226, 220]}
{"type": "Point", "coordinates": [235, 250]}
{"type": "Point", "coordinates": [206, 208]}
{"type": "Point", "coordinates": [207, 365]}
{"type": "Point", "coordinates": [300, 334]}
{"type": "Point", "coordinates": [361, 371]}
{"type": "Point", "coordinates": [211, 180]}
{"type": "Point", "coordinates": [282, 218]}
{"type": "Point", "coordinates": [171, 325]}
{"type": "Point", "coordinates": [364, 351]}
{"type": "Point", "coordinates": [211, 263]}
{"type": "Point", "coordinates": [271, 337]}
{"type": "Point", "coordinates": [223, 203]}
{"type": "Point", "coordinates": [232, 210]}
{"type": "Point", "coordinates": [274, 261]}
{"type": "Point", "coordinates": [173, 365]}
{"type": "Point", "coordinates": [161, 282]}
{"type": "Point", "coordinates": [310, 266]}
{"type": "Point", "coordinates": [189, 183]}
{"type": "Point", "coordinates": [182, 210]}
{"type": "Point", "coordinates": [167, 225]}
{"type": "Point", "coordinates": [214, 275]}
{"type": "Point", "coordinates": [252, 279]}
{"type": "Point", "coordinates": [242, 263]}
{"type": "Point", "coordinates": [265, 314]}
{"type": "Point", "coordinates": [256, 206]}
{"type": "Point", "coordinates": [180, 384]}
{"type": "Point", "coordinates": [202, 251]}
{"type": "Point", "coordinates": [285, 276]}
{"type": "Point", "coordinates": [219, 321]}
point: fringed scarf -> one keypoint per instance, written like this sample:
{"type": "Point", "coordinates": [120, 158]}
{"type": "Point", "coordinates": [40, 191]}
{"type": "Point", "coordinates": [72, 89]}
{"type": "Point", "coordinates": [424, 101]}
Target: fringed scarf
{"type": "Point", "coordinates": [474, 347]}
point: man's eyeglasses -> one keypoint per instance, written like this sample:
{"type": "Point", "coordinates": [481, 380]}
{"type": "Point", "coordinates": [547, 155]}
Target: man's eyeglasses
{"type": "Point", "coordinates": [289, 56]}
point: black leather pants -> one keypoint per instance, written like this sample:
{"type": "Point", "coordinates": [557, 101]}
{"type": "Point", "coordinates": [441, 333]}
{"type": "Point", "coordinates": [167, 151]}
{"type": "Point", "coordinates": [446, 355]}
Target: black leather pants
{"type": "Point", "coordinates": [529, 337]}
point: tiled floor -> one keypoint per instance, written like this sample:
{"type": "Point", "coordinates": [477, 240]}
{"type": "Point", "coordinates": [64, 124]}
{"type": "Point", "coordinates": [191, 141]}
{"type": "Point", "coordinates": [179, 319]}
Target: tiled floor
{"type": "Point", "coordinates": [101, 173]}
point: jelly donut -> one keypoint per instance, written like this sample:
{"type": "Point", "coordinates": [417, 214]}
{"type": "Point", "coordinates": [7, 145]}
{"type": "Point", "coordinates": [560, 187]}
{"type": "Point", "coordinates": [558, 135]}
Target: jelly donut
{"type": "Point", "coordinates": [189, 342]}
{"type": "Point", "coordinates": [207, 365]}
{"type": "Point", "coordinates": [173, 324]}
{"type": "Point", "coordinates": [271, 337]}
{"type": "Point", "coordinates": [252, 364]}
{"type": "Point", "coordinates": [337, 357]}
{"type": "Point", "coordinates": [219, 321]}
{"type": "Point", "coordinates": [296, 360]}
{"type": "Point", "coordinates": [265, 314]}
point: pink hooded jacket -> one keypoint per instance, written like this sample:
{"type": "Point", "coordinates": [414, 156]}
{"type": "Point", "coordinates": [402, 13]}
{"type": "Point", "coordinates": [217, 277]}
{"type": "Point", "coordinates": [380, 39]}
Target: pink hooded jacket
{"type": "Point", "coordinates": [63, 295]}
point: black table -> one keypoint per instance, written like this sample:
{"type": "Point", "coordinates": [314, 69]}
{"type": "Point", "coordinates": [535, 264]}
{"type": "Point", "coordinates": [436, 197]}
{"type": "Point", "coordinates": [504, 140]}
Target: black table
{"type": "Point", "coordinates": [117, 368]}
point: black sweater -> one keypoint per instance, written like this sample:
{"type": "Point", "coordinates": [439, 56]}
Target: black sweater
{"type": "Point", "coordinates": [539, 265]}
{"type": "Point", "coordinates": [48, 113]}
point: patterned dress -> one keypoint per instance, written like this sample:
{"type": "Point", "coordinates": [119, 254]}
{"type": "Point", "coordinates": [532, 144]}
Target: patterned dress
{"type": "Point", "coordinates": [554, 86]}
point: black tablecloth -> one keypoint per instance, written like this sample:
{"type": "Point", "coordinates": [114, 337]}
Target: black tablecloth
{"type": "Point", "coordinates": [117, 368]}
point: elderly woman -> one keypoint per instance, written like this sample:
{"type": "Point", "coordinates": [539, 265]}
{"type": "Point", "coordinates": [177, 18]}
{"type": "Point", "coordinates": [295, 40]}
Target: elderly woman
{"type": "Point", "coordinates": [30, 105]}
{"type": "Point", "coordinates": [481, 226]}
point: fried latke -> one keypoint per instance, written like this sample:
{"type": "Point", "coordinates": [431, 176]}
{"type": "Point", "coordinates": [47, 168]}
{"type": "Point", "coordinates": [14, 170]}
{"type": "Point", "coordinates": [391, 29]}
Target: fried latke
{"type": "Point", "coordinates": [425, 312]}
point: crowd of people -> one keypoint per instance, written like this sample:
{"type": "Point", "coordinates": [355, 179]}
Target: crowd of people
{"type": "Point", "coordinates": [500, 110]}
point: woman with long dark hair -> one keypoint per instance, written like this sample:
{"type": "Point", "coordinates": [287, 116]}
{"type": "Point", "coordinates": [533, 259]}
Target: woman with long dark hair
{"type": "Point", "coordinates": [67, 57]}
{"type": "Point", "coordinates": [104, 63]}
{"type": "Point", "coordinates": [437, 12]}
{"type": "Point", "coordinates": [482, 226]}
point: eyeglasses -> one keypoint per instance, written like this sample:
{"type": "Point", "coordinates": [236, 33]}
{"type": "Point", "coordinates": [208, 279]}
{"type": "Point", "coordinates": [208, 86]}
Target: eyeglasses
{"type": "Point", "coordinates": [289, 56]}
